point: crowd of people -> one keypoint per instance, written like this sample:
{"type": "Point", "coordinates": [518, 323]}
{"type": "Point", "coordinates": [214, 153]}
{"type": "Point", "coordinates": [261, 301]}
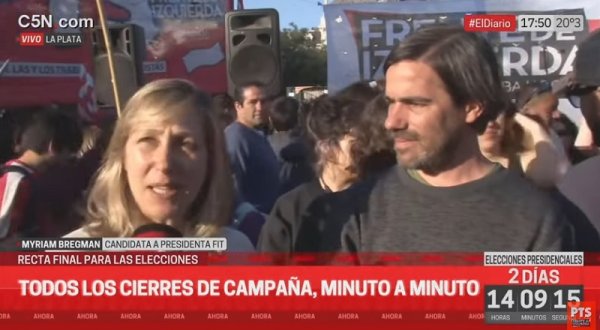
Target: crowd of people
{"type": "Point", "coordinates": [435, 157]}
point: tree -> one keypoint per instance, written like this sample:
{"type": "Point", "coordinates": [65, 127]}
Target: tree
{"type": "Point", "coordinates": [304, 59]}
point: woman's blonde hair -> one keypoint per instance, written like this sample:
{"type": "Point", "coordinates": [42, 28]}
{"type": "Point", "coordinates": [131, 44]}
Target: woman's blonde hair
{"type": "Point", "coordinates": [111, 210]}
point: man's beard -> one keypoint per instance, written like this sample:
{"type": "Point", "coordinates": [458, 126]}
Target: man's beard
{"type": "Point", "coordinates": [437, 157]}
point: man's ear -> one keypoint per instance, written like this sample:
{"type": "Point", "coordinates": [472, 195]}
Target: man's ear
{"type": "Point", "coordinates": [238, 106]}
{"type": "Point", "coordinates": [473, 111]}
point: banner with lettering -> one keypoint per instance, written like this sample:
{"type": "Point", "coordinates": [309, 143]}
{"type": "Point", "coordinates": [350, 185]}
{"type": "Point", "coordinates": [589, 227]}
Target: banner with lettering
{"type": "Point", "coordinates": [43, 75]}
{"type": "Point", "coordinates": [183, 39]}
{"type": "Point", "coordinates": [360, 36]}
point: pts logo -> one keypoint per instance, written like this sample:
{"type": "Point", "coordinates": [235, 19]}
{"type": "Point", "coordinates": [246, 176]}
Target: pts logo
{"type": "Point", "coordinates": [581, 315]}
{"type": "Point", "coordinates": [581, 312]}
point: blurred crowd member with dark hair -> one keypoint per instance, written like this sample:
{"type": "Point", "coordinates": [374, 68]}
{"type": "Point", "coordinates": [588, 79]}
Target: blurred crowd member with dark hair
{"type": "Point", "coordinates": [51, 136]}
{"type": "Point", "coordinates": [582, 182]}
{"type": "Point", "coordinates": [91, 135]}
{"type": "Point", "coordinates": [6, 136]}
{"type": "Point", "coordinates": [567, 131]}
{"type": "Point", "coordinates": [443, 87]}
{"type": "Point", "coordinates": [310, 218]}
{"type": "Point", "coordinates": [59, 192]}
{"type": "Point", "coordinates": [289, 144]}
{"type": "Point", "coordinates": [374, 146]}
{"type": "Point", "coordinates": [521, 144]}
{"type": "Point", "coordinates": [539, 102]}
{"type": "Point", "coordinates": [255, 166]}
{"type": "Point", "coordinates": [224, 109]}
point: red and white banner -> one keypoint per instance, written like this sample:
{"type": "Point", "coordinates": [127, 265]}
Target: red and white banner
{"type": "Point", "coordinates": [184, 39]}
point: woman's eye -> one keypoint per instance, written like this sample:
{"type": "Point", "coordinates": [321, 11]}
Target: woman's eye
{"type": "Point", "coordinates": [145, 139]}
{"type": "Point", "coordinates": [189, 144]}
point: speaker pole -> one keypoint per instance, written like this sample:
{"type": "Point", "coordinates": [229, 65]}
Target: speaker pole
{"type": "Point", "coordinates": [108, 44]}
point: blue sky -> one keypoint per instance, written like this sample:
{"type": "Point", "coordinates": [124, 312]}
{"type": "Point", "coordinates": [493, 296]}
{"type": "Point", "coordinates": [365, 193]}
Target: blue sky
{"type": "Point", "coordinates": [305, 13]}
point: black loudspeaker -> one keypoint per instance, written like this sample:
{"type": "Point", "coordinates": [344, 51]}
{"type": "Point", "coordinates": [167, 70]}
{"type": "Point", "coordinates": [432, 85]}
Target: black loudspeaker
{"type": "Point", "coordinates": [128, 49]}
{"type": "Point", "coordinates": [252, 49]}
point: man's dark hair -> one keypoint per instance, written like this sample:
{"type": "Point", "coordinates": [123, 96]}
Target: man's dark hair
{"type": "Point", "coordinates": [465, 62]}
{"type": "Point", "coordinates": [223, 108]}
{"type": "Point", "coordinates": [7, 131]}
{"type": "Point", "coordinates": [331, 117]}
{"type": "Point", "coordinates": [52, 125]}
{"type": "Point", "coordinates": [362, 91]}
{"type": "Point", "coordinates": [238, 93]}
{"type": "Point", "coordinates": [284, 113]}
{"type": "Point", "coordinates": [373, 149]}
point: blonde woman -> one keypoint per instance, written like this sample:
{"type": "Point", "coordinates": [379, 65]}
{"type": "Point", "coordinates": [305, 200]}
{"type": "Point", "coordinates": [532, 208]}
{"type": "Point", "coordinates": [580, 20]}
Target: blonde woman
{"type": "Point", "coordinates": [166, 164]}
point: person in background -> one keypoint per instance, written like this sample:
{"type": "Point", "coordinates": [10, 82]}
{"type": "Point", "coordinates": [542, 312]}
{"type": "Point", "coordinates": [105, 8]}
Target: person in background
{"type": "Point", "coordinates": [95, 142]}
{"type": "Point", "coordinates": [310, 217]}
{"type": "Point", "coordinates": [584, 142]}
{"type": "Point", "coordinates": [59, 192]}
{"type": "Point", "coordinates": [442, 88]}
{"type": "Point", "coordinates": [374, 147]}
{"type": "Point", "coordinates": [7, 127]}
{"type": "Point", "coordinates": [224, 109]}
{"type": "Point", "coordinates": [580, 185]}
{"type": "Point", "coordinates": [539, 102]}
{"type": "Point", "coordinates": [50, 137]}
{"type": "Point", "coordinates": [568, 131]}
{"type": "Point", "coordinates": [91, 135]}
{"type": "Point", "coordinates": [255, 166]}
{"type": "Point", "coordinates": [523, 145]}
{"type": "Point", "coordinates": [289, 144]}
{"type": "Point", "coordinates": [166, 164]}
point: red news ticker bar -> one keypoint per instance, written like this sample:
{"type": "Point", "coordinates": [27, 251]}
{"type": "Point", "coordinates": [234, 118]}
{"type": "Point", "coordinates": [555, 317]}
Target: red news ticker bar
{"type": "Point", "coordinates": [31, 39]}
{"type": "Point", "coordinates": [490, 23]}
{"type": "Point", "coordinates": [94, 294]}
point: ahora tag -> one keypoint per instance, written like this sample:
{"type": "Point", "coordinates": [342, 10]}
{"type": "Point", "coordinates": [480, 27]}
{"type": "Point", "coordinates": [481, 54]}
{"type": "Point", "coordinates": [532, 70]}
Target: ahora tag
{"type": "Point", "coordinates": [581, 315]}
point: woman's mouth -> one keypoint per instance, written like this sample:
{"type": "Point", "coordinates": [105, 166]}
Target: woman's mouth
{"type": "Point", "coordinates": [164, 191]}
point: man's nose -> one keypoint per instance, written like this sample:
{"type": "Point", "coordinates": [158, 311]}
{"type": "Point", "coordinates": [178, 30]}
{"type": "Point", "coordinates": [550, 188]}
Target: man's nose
{"type": "Point", "coordinates": [396, 118]}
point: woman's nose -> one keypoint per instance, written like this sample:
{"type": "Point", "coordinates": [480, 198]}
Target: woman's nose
{"type": "Point", "coordinates": [164, 157]}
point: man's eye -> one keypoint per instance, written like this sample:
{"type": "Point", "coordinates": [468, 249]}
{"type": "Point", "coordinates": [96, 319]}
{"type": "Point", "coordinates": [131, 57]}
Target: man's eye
{"type": "Point", "coordinates": [417, 103]}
